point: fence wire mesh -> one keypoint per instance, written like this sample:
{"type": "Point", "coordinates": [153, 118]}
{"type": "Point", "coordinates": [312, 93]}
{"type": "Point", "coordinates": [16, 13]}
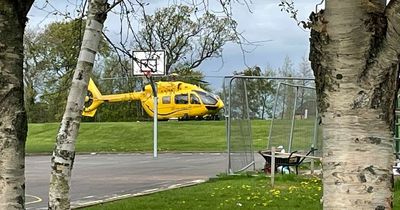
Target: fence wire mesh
{"type": "Point", "coordinates": [253, 104]}
{"type": "Point", "coordinates": [240, 149]}
{"type": "Point", "coordinates": [294, 121]}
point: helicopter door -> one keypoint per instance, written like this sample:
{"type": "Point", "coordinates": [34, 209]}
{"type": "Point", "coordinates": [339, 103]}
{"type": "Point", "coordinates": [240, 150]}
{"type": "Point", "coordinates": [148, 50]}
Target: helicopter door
{"type": "Point", "coordinates": [195, 105]}
{"type": "Point", "coordinates": [182, 105]}
{"type": "Point", "coordinates": [165, 107]}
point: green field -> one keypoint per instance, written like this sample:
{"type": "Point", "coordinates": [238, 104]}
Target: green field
{"type": "Point", "coordinates": [173, 136]}
{"type": "Point", "coordinates": [233, 192]}
{"type": "Point", "coordinates": [237, 192]}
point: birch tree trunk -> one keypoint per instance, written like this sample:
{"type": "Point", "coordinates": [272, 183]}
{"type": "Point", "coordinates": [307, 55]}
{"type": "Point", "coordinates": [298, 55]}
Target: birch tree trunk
{"type": "Point", "coordinates": [64, 151]}
{"type": "Point", "coordinates": [355, 47]}
{"type": "Point", "coordinates": [13, 123]}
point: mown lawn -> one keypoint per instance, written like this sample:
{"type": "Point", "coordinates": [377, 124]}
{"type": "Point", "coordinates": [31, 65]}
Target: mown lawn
{"type": "Point", "coordinates": [138, 136]}
{"type": "Point", "coordinates": [232, 192]}
{"type": "Point", "coordinates": [237, 192]}
{"type": "Point", "coordinates": [172, 136]}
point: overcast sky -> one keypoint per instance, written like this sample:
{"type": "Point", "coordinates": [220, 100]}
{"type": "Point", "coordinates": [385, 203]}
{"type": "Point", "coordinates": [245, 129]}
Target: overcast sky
{"type": "Point", "coordinates": [263, 22]}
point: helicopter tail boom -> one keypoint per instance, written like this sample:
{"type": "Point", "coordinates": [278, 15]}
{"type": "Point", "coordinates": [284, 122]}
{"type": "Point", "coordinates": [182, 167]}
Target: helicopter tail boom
{"type": "Point", "coordinates": [94, 99]}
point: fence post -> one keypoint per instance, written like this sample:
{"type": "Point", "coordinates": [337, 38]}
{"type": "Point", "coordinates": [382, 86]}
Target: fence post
{"type": "Point", "coordinates": [272, 167]}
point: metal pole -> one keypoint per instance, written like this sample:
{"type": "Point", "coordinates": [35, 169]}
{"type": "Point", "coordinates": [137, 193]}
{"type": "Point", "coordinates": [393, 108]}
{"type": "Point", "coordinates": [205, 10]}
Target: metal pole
{"type": "Point", "coordinates": [315, 138]}
{"type": "Point", "coordinates": [155, 124]}
{"type": "Point", "coordinates": [273, 167]}
{"type": "Point", "coordinates": [249, 123]}
{"type": "Point", "coordinates": [269, 78]}
{"type": "Point", "coordinates": [273, 115]}
{"type": "Point", "coordinates": [293, 119]}
{"type": "Point", "coordinates": [155, 114]}
{"type": "Point", "coordinates": [228, 136]}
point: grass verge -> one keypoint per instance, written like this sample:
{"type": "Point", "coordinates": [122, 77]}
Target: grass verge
{"type": "Point", "coordinates": [138, 136]}
{"type": "Point", "coordinates": [237, 192]}
{"type": "Point", "coordinates": [231, 192]}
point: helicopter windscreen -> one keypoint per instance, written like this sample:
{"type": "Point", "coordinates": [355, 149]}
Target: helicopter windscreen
{"type": "Point", "coordinates": [207, 98]}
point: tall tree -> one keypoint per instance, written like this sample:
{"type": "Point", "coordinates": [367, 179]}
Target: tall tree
{"type": "Point", "coordinates": [355, 48]}
{"type": "Point", "coordinates": [185, 38]}
{"type": "Point", "coordinates": [64, 151]}
{"type": "Point", "coordinates": [258, 93]}
{"type": "Point", "coordinates": [13, 124]}
{"type": "Point", "coordinates": [50, 58]}
{"type": "Point", "coordinates": [305, 71]}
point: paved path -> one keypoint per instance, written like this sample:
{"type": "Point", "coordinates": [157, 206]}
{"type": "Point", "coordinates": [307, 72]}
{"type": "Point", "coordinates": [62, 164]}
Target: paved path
{"type": "Point", "coordinates": [103, 177]}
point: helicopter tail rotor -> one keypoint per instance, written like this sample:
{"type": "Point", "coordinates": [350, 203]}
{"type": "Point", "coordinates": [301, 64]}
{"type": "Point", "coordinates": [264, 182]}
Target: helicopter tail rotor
{"type": "Point", "coordinates": [92, 100]}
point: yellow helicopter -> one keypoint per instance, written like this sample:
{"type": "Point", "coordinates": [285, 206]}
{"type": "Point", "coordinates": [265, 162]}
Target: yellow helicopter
{"type": "Point", "coordinates": [176, 100]}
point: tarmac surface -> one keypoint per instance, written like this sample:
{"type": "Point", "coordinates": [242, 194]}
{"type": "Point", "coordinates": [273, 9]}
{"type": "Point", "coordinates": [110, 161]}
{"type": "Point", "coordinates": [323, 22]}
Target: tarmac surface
{"type": "Point", "coordinates": [104, 177]}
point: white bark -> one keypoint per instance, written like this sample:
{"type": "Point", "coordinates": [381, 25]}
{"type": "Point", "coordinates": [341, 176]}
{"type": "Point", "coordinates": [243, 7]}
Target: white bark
{"type": "Point", "coordinates": [13, 122]}
{"type": "Point", "coordinates": [352, 57]}
{"type": "Point", "coordinates": [64, 151]}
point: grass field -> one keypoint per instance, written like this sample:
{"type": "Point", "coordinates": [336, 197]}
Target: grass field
{"type": "Point", "coordinates": [233, 192]}
{"type": "Point", "coordinates": [138, 136]}
{"type": "Point", "coordinates": [237, 192]}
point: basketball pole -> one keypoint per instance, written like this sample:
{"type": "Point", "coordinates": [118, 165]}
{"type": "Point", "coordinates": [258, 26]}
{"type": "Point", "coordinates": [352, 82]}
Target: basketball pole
{"type": "Point", "coordinates": [155, 114]}
{"type": "Point", "coordinates": [147, 63]}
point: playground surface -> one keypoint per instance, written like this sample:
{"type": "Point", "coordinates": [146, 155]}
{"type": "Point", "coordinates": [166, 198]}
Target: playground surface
{"type": "Point", "coordinates": [104, 177]}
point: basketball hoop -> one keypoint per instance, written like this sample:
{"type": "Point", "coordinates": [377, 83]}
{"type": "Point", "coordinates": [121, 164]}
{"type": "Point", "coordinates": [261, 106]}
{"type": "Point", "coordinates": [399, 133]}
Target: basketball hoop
{"type": "Point", "coordinates": [149, 63]}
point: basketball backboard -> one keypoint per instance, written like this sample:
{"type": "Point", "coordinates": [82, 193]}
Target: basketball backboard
{"type": "Point", "coordinates": [146, 61]}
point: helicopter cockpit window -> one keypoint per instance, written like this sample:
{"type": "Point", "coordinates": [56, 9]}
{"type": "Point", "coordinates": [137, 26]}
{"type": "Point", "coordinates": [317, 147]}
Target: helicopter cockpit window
{"type": "Point", "coordinates": [194, 99]}
{"type": "Point", "coordinates": [166, 99]}
{"type": "Point", "coordinates": [207, 98]}
{"type": "Point", "coordinates": [181, 99]}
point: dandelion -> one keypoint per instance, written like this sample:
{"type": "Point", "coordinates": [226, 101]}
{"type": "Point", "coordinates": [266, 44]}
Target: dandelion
{"type": "Point", "coordinates": [276, 192]}
{"type": "Point", "coordinates": [304, 183]}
